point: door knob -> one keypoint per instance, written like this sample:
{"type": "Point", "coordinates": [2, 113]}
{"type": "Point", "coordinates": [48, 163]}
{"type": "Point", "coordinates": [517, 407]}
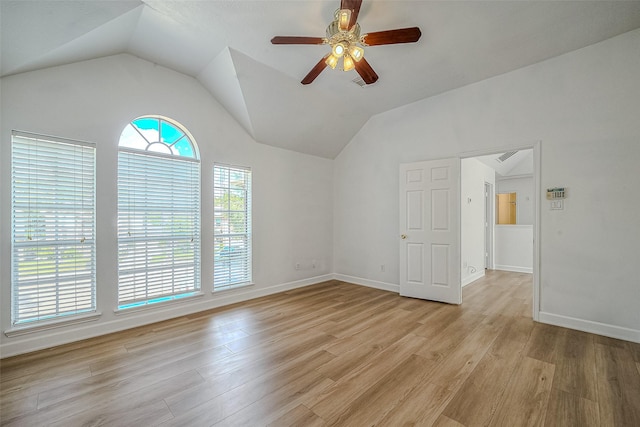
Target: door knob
{"type": "Point", "coordinates": [403, 236]}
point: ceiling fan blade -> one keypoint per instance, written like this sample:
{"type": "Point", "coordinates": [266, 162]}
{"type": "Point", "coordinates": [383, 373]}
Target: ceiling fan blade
{"type": "Point", "coordinates": [315, 71]}
{"type": "Point", "coordinates": [297, 40]}
{"type": "Point", "coordinates": [366, 72]}
{"type": "Point", "coordinates": [354, 7]}
{"type": "Point", "coordinates": [401, 35]}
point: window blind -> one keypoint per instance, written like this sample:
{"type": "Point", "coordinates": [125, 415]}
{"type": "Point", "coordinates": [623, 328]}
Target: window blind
{"type": "Point", "coordinates": [232, 227]}
{"type": "Point", "coordinates": [158, 227]}
{"type": "Point", "coordinates": [53, 263]}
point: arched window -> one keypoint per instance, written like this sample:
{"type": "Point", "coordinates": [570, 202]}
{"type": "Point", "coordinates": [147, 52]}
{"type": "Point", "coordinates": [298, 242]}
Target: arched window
{"type": "Point", "coordinates": [158, 212]}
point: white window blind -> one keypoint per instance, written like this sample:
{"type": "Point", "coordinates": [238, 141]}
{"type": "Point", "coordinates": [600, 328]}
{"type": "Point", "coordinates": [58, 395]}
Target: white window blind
{"type": "Point", "coordinates": [53, 264]}
{"type": "Point", "coordinates": [158, 227]}
{"type": "Point", "coordinates": [232, 227]}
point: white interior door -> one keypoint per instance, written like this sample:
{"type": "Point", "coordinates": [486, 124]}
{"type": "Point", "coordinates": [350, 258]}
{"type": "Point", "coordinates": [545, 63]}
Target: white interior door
{"type": "Point", "coordinates": [429, 230]}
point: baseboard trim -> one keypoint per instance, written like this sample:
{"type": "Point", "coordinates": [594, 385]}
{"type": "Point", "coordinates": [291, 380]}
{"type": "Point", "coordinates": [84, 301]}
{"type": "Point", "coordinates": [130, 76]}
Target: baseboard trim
{"type": "Point", "coordinates": [475, 276]}
{"type": "Point", "coordinates": [592, 327]}
{"type": "Point", "coordinates": [514, 268]}
{"type": "Point", "coordinates": [392, 287]}
{"type": "Point", "coordinates": [66, 335]}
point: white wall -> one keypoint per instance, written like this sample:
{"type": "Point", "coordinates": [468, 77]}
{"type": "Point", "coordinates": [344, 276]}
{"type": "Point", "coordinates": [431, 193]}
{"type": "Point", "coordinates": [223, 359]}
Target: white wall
{"type": "Point", "coordinates": [514, 248]}
{"type": "Point", "coordinates": [583, 107]}
{"type": "Point", "coordinates": [523, 187]}
{"type": "Point", "coordinates": [93, 101]}
{"type": "Point", "coordinates": [474, 174]}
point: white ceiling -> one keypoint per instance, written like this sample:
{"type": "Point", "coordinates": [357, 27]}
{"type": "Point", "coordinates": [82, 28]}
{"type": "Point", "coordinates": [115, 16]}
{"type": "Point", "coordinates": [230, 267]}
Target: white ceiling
{"type": "Point", "coordinates": [225, 45]}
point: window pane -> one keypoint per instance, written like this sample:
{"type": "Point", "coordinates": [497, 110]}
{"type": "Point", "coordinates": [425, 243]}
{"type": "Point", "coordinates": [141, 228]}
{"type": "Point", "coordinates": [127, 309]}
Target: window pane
{"type": "Point", "coordinates": [147, 123]}
{"type": "Point", "coordinates": [169, 132]}
{"type": "Point", "coordinates": [183, 148]}
{"type": "Point", "coordinates": [131, 138]}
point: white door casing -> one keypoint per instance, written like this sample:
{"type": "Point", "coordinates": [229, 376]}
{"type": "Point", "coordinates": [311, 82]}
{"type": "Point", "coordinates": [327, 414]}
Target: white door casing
{"type": "Point", "coordinates": [430, 230]}
{"type": "Point", "coordinates": [489, 201]}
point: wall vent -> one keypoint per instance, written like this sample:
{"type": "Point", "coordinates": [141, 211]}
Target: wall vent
{"type": "Point", "coordinates": [506, 155]}
{"type": "Point", "coordinates": [359, 82]}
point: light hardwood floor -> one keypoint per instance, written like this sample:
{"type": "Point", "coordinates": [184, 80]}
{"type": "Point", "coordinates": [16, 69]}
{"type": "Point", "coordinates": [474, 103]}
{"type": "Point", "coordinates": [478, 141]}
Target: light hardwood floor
{"type": "Point", "coordinates": [336, 354]}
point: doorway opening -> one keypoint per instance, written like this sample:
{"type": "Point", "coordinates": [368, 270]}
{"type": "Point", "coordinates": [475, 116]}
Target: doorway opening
{"type": "Point", "coordinates": [443, 238]}
{"type": "Point", "coordinates": [509, 244]}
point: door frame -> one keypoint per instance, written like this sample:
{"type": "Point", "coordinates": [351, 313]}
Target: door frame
{"type": "Point", "coordinates": [489, 202]}
{"type": "Point", "coordinates": [536, 147]}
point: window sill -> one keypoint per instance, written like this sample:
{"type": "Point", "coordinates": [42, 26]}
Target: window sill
{"type": "Point", "coordinates": [54, 324]}
{"type": "Point", "coordinates": [153, 306]}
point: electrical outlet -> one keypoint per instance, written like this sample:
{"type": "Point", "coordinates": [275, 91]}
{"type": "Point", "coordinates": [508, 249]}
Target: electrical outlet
{"type": "Point", "coordinates": [382, 268]}
{"type": "Point", "coordinates": [297, 266]}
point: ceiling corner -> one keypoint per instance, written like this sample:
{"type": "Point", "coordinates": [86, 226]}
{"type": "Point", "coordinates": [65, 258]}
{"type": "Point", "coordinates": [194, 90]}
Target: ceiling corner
{"type": "Point", "coordinates": [220, 78]}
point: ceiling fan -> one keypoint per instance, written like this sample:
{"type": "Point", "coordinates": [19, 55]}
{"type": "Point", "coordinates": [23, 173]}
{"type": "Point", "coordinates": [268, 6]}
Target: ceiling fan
{"type": "Point", "coordinates": [343, 35]}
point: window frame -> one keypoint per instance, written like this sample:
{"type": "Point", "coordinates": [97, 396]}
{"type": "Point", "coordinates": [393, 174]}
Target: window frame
{"type": "Point", "coordinates": [147, 286]}
{"type": "Point", "coordinates": [244, 257]}
{"type": "Point", "coordinates": [72, 182]}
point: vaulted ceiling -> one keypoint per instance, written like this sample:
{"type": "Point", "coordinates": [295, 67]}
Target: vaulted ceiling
{"type": "Point", "coordinates": [226, 46]}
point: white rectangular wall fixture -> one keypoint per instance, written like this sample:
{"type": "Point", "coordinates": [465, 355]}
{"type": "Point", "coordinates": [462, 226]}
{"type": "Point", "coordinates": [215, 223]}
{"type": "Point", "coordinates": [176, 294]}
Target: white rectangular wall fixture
{"type": "Point", "coordinates": [556, 196]}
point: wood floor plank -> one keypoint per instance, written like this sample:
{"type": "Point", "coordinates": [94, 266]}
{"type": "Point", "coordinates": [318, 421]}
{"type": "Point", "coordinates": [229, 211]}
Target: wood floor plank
{"type": "Point", "coordinates": [611, 342]}
{"type": "Point", "coordinates": [162, 352]}
{"type": "Point", "coordinates": [634, 348]}
{"type": "Point", "coordinates": [10, 409]}
{"type": "Point", "coordinates": [378, 335]}
{"type": "Point", "coordinates": [221, 406]}
{"type": "Point", "coordinates": [438, 320]}
{"type": "Point", "coordinates": [20, 388]}
{"type": "Point", "coordinates": [451, 336]}
{"type": "Point", "coordinates": [618, 386]}
{"type": "Point", "coordinates": [47, 367]}
{"type": "Point", "coordinates": [268, 355]}
{"type": "Point", "coordinates": [525, 399]}
{"type": "Point", "coordinates": [576, 364]}
{"type": "Point", "coordinates": [338, 398]}
{"type": "Point", "coordinates": [294, 325]}
{"type": "Point", "coordinates": [298, 416]}
{"type": "Point", "coordinates": [420, 406]}
{"type": "Point", "coordinates": [566, 409]}
{"type": "Point", "coordinates": [459, 364]}
{"type": "Point", "coordinates": [152, 413]}
{"type": "Point", "coordinates": [102, 405]}
{"type": "Point", "coordinates": [279, 403]}
{"type": "Point", "coordinates": [347, 362]}
{"type": "Point", "coordinates": [444, 421]}
{"type": "Point", "coordinates": [212, 337]}
{"type": "Point", "coordinates": [310, 357]}
{"type": "Point", "coordinates": [130, 380]}
{"type": "Point", "coordinates": [376, 401]}
{"type": "Point", "coordinates": [480, 394]}
{"type": "Point", "coordinates": [544, 342]}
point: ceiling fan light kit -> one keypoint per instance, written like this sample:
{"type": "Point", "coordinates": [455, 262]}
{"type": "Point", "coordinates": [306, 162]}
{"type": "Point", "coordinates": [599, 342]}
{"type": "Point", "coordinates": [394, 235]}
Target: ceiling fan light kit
{"type": "Point", "coordinates": [344, 41]}
{"type": "Point", "coordinates": [343, 35]}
